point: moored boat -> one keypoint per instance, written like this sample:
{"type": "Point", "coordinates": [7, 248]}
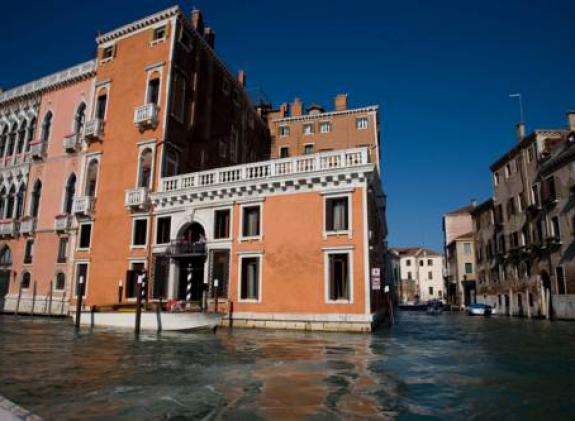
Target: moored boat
{"type": "Point", "coordinates": [479, 310]}
{"type": "Point", "coordinates": [152, 320]}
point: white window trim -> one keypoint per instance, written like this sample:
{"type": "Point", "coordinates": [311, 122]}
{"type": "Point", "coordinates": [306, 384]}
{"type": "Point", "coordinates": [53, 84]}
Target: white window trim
{"type": "Point", "coordinates": [326, 253]}
{"type": "Point", "coordinates": [101, 87]}
{"type": "Point", "coordinates": [241, 225]}
{"type": "Point", "coordinates": [309, 144]}
{"type": "Point", "coordinates": [280, 151]}
{"type": "Point", "coordinates": [140, 246]}
{"type": "Point", "coordinates": [149, 71]}
{"type": "Point", "coordinates": [108, 59]}
{"type": "Point", "coordinates": [321, 125]}
{"type": "Point", "coordinates": [155, 242]}
{"type": "Point", "coordinates": [281, 132]}
{"type": "Point", "coordinates": [142, 146]}
{"type": "Point", "coordinates": [78, 248]}
{"type": "Point", "coordinates": [83, 172]}
{"type": "Point", "coordinates": [131, 263]}
{"type": "Point", "coordinates": [312, 129]}
{"type": "Point", "coordinates": [357, 125]}
{"type": "Point", "coordinates": [241, 257]}
{"type": "Point", "coordinates": [154, 42]}
{"type": "Point", "coordinates": [349, 229]}
{"type": "Point", "coordinates": [230, 228]}
{"type": "Point", "coordinates": [56, 280]}
{"type": "Point", "coordinates": [73, 286]}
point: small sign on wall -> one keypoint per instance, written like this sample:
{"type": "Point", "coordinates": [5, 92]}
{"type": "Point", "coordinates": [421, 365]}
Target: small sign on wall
{"type": "Point", "coordinates": [375, 279]}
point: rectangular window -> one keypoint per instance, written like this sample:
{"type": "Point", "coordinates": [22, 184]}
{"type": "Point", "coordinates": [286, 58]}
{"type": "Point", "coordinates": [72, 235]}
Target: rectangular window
{"type": "Point", "coordinates": [284, 131]}
{"type": "Point", "coordinates": [222, 223]}
{"type": "Point", "coordinates": [560, 275]}
{"type": "Point", "coordinates": [555, 226]}
{"type": "Point", "coordinates": [163, 227]}
{"type": "Point", "coordinates": [409, 275]}
{"type": "Point", "coordinates": [430, 290]}
{"type": "Point", "coordinates": [85, 236]}
{"type": "Point", "coordinates": [430, 276]}
{"type": "Point", "coordinates": [108, 53]}
{"type": "Point", "coordinates": [408, 262]}
{"type": "Point", "coordinates": [429, 262]}
{"type": "Point", "coordinates": [251, 221]}
{"type": "Point", "coordinates": [308, 149]}
{"type": "Point", "coordinates": [284, 152]}
{"type": "Point", "coordinates": [361, 123]}
{"type": "Point", "coordinates": [101, 106]}
{"type": "Point", "coordinates": [308, 129]}
{"type": "Point", "coordinates": [132, 278]}
{"type": "Point", "coordinates": [220, 260]}
{"type": "Point", "coordinates": [159, 34]}
{"type": "Point", "coordinates": [81, 278]}
{"type": "Point", "coordinates": [325, 127]}
{"type": "Point", "coordinates": [421, 263]}
{"type": "Point", "coordinates": [62, 249]}
{"type": "Point", "coordinates": [338, 276]}
{"type": "Point", "coordinates": [28, 251]}
{"type": "Point", "coordinates": [337, 214]}
{"type": "Point", "coordinates": [496, 178]}
{"type": "Point", "coordinates": [469, 268]}
{"type": "Point", "coordinates": [467, 248]}
{"type": "Point", "coordinates": [250, 277]}
{"type": "Point", "coordinates": [154, 91]}
{"type": "Point", "coordinates": [139, 232]}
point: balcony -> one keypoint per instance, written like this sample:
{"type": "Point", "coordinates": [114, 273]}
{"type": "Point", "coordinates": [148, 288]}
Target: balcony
{"type": "Point", "coordinates": [186, 248]}
{"type": "Point", "coordinates": [93, 129]}
{"type": "Point", "coordinates": [146, 116]}
{"type": "Point", "coordinates": [83, 205]}
{"type": "Point", "coordinates": [8, 228]}
{"type": "Point", "coordinates": [61, 222]}
{"type": "Point", "coordinates": [38, 150]}
{"type": "Point", "coordinates": [136, 198]}
{"type": "Point", "coordinates": [28, 226]}
{"type": "Point", "coordinates": [71, 143]}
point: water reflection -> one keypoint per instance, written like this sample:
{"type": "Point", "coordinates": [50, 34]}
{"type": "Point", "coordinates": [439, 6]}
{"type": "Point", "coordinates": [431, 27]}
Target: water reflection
{"type": "Point", "coordinates": [448, 366]}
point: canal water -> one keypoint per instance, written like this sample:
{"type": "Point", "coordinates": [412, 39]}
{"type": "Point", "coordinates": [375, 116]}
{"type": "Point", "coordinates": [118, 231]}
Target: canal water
{"type": "Point", "coordinates": [448, 366]}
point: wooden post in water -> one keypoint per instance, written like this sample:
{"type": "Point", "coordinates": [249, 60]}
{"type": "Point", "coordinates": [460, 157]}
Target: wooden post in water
{"type": "Point", "coordinates": [50, 299]}
{"type": "Point", "coordinates": [120, 291]}
{"type": "Point", "coordinates": [138, 304]}
{"type": "Point", "coordinates": [189, 286]}
{"type": "Point", "coordinates": [230, 314]}
{"type": "Point", "coordinates": [19, 298]}
{"type": "Point", "coordinates": [79, 296]}
{"type": "Point", "coordinates": [205, 295]}
{"type": "Point", "coordinates": [216, 284]}
{"type": "Point", "coordinates": [33, 298]}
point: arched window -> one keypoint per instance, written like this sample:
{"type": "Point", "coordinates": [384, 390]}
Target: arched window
{"type": "Point", "coordinates": [60, 281]}
{"type": "Point", "coordinates": [31, 133]}
{"type": "Point", "coordinates": [2, 202]}
{"type": "Point", "coordinates": [21, 138]}
{"type": "Point", "coordinates": [5, 257]}
{"type": "Point", "coordinates": [154, 88]}
{"type": "Point", "coordinates": [91, 178]}
{"type": "Point", "coordinates": [10, 203]}
{"type": "Point", "coordinates": [70, 192]}
{"type": "Point", "coordinates": [80, 118]}
{"type": "Point", "coordinates": [3, 138]}
{"type": "Point", "coordinates": [36, 196]}
{"type": "Point", "coordinates": [12, 140]}
{"type": "Point", "coordinates": [25, 280]}
{"type": "Point", "coordinates": [144, 178]}
{"type": "Point", "coordinates": [46, 127]}
{"type": "Point", "coordinates": [20, 201]}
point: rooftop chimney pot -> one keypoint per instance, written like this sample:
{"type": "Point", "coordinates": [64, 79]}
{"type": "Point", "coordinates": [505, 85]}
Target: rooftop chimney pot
{"type": "Point", "coordinates": [520, 131]}
{"type": "Point", "coordinates": [340, 102]}
{"type": "Point", "coordinates": [210, 36]}
{"type": "Point", "coordinates": [242, 77]}
{"type": "Point", "coordinates": [296, 107]}
{"type": "Point", "coordinates": [197, 21]}
{"type": "Point", "coordinates": [570, 119]}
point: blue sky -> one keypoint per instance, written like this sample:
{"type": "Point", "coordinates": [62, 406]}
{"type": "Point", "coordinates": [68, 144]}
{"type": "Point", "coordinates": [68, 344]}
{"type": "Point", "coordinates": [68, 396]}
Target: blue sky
{"type": "Point", "coordinates": [441, 72]}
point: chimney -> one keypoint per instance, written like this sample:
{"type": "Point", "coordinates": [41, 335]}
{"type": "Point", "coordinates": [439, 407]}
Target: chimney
{"type": "Point", "coordinates": [197, 21]}
{"type": "Point", "coordinates": [242, 77]}
{"type": "Point", "coordinates": [341, 102]}
{"type": "Point", "coordinates": [283, 110]}
{"type": "Point", "coordinates": [520, 131]}
{"type": "Point", "coordinates": [210, 36]}
{"type": "Point", "coordinates": [296, 107]}
{"type": "Point", "coordinates": [570, 119]}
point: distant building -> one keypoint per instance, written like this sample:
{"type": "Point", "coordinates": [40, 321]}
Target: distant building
{"type": "Point", "coordinates": [459, 268]}
{"type": "Point", "coordinates": [524, 236]}
{"type": "Point", "coordinates": [420, 275]}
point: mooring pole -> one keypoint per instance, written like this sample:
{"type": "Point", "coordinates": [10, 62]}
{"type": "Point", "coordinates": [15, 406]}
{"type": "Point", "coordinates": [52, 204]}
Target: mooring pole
{"type": "Point", "coordinates": [216, 283]}
{"type": "Point", "coordinates": [189, 285]}
{"type": "Point", "coordinates": [33, 298]}
{"type": "Point", "coordinates": [19, 298]}
{"type": "Point", "coordinates": [205, 295]}
{"type": "Point", "coordinates": [79, 294]}
{"type": "Point", "coordinates": [50, 299]}
{"type": "Point", "coordinates": [138, 304]}
{"type": "Point", "coordinates": [120, 291]}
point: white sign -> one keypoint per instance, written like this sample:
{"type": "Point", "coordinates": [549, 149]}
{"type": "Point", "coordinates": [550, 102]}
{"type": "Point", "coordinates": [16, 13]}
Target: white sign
{"type": "Point", "coordinates": [375, 279]}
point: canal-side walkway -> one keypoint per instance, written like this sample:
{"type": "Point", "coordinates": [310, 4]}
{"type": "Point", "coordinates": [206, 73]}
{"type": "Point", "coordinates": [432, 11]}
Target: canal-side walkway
{"type": "Point", "coordinates": [9, 411]}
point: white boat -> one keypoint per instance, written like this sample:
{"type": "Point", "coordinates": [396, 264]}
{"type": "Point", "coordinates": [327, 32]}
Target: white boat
{"type": "Point", "coordinates": [151, 320]}
{"type": "Point", "coordinates": [479, 310]}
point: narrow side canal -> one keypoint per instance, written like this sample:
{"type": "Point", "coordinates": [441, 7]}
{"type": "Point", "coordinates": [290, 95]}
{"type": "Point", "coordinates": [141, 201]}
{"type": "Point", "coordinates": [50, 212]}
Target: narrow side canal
{"type": "Point", "coordinates": [447, 366]}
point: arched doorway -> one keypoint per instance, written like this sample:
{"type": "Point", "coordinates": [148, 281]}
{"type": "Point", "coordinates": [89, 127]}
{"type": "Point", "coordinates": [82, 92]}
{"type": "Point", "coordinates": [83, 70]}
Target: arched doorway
{"type": "Point", "coordinates": [189, 251]}
{"type": "Point", "coordinates": [5, 272]}
{"type": "Point", "coordinates": [547, 302]}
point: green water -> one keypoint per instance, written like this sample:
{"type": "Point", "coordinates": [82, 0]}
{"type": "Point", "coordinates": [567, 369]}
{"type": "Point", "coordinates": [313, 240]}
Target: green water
{"type": "Point", "coordinates": [450, 366]}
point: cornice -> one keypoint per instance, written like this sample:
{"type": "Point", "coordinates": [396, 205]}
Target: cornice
{"type": "Point", "coordinates": [327, 114]}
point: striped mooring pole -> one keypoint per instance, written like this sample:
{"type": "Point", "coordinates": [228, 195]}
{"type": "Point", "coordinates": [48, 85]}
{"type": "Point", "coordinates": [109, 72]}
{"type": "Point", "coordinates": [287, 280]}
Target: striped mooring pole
{"type": "Point", "coordinates": [189, 285]}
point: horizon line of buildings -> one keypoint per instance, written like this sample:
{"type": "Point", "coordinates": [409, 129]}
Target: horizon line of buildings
{"type": "Point", "coordinates": [515, 251]}
{"type": "Point", "coordinates": [152, 160]}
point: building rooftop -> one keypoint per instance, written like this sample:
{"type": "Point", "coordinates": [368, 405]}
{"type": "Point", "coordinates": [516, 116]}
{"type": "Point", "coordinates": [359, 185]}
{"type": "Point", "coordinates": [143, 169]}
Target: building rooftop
{"type": "Point", "coordinates": [416, 251]}
{"type": "Point", "coordinates": [465, 209]}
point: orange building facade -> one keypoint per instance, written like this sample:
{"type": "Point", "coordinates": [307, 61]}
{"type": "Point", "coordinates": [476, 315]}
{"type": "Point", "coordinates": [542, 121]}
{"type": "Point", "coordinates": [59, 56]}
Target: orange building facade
{"type": "Point", "coordinates": [151, 159]}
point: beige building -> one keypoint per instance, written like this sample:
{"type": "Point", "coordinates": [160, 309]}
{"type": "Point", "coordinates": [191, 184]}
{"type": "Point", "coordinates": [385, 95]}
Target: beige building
{"type": "Point", "coordinates": [459, 270]}
{"type": "Point", "coordinates": [420, 275]}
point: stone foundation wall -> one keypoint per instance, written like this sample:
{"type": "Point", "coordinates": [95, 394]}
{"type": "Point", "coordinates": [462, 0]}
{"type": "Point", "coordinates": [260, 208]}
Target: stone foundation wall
{"type": "Point", "coordinates": [41, 303]}
{"type": "Point", "coordinates": [362, 327]}
{"type": "Point", "coordinates": [564, 306]}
